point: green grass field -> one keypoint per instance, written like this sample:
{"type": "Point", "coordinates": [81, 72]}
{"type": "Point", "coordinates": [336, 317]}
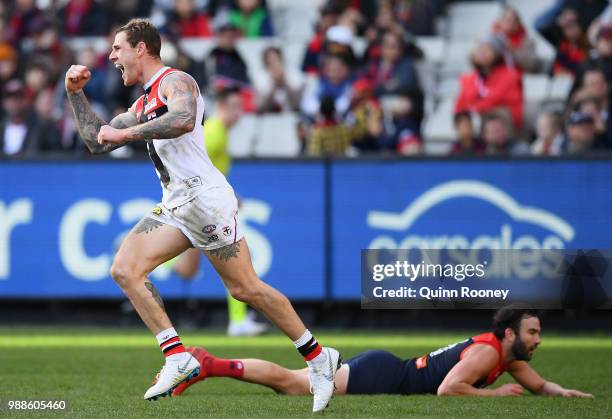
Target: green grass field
{"type": "Point", "coordinates": [104, 373]}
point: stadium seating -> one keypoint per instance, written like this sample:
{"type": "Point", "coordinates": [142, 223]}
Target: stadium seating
{"type": "Point", "coordinates": [446, 57]}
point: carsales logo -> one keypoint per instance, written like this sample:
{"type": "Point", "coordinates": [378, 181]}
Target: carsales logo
{"type": "Point", "coordinates": [521, 229]}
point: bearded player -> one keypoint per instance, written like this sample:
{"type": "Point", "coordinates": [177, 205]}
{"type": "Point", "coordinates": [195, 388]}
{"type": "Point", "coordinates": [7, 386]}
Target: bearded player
{"type": "Point", "coordinates": [463, 368]}
{"type": "Point", "coordinates": [198, 206]}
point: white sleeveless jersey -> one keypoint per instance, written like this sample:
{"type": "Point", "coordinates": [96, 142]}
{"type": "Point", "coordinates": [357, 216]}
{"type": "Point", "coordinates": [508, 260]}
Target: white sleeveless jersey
{"type": "Point", "coordinates": [182, 164]}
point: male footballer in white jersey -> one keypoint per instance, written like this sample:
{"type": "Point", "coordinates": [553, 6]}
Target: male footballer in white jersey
{"type": "Point", "coordinates": [198, 206]}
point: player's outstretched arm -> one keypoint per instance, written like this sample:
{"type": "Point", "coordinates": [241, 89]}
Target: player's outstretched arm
{"type": "Point", "coordinates": [181, 94]}
{"type": "Point", "coordinates": [532, 381]}
{"type": "Point", "coordinates": [477, 364]}
{"type": "Point", "coordinates": [88, 123]}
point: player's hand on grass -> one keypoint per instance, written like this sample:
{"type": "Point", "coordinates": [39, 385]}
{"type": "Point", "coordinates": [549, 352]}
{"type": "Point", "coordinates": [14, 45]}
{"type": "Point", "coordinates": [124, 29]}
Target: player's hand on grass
{"type": "Point", "coordinates": [576, 393]}
{"type": "Point", "coordinates": [509, 390]}
{"type": "Point", "coordinates": [110, 135]}
{"type": "Point", "coordinates": [77, 77]}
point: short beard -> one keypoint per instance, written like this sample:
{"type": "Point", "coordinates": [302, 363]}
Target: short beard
{"type": "Point", "coordinates": [520, 351]}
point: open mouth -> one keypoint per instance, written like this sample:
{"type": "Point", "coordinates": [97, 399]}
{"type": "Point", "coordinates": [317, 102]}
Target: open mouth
{"type": "Point", "coordinates": [120, 68]}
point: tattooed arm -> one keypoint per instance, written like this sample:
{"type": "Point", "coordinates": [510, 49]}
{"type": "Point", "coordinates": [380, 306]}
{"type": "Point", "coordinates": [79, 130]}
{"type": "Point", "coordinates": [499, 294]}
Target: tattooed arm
{"type": "Point", "coordinates": [181, 93]}
{"type": "Point", "coordinates": [88, 123]}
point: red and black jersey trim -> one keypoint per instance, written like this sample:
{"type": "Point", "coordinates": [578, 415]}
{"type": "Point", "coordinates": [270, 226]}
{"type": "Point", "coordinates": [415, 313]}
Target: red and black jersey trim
{"type": "Point", "coordinates": [164, 175]}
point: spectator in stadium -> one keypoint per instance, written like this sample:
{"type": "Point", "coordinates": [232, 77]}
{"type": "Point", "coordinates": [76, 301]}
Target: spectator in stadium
{"type": "Point", "coordinates": [385, 22]}
{"type": "Point", "coordinates": [601, 58]}
{"type": "Point", "coordinates": [497, 133]}
{"type": "Point", "coordinates": [25, 17]}
{"type": "Point", "coordinates": [549, 141]}
{"type": "Point", "coordinates": [580, 135]}
{"type": "Point", "coordinates": [491, 84]}
{"type": "Point", "coordinates": [312, 61]}
{"type": "Point", "coordinates": [365, 117]}
{"type": "Point", "coordinates": [570, 42]}
{"type": "Point", "coordinates": [96, 88]}
{"type": "Point", "coordinates": [595, 108]}
{"type": "Point", "coordinates": [84, 18]}
{"type": "Point", "coordinates": [467, 143]}
{"type": "Point", "coordinates": [278, 89]}
{"type": "Point", "coordinates": [184, 20]}
{"type": "Point", "coordinates": [123, 10]}
{"type": "Point", "coordinates": [251, 18]}
{"type": "Point", "coordinates": [8, 63]}
{"type": "Point", "coordinates": [224, 61]}
{"type": "Point", "coordinates": [592, 84]}
{"type": "Point", "coordinates": [520, 48]}
{"type": "Point", "coordinates": [17, 136]}
{"type": "Point", "coordinates": [330, 136]}
{"type": "Point", "coordinates": [392, 73]}
{"type": "Point", "coordinates": [174, 56]}
{"type": "Point", "coordinates": [403, 134]}
{"type": "Point", "coordinates": [588, 11]}
{"type": "Point", "coordinates": [335, 83]}
{"type": "Point", "coordinates": [47, 46]}
{"type": "Point", "coordinates": [418, 17]}
{"type": "Point", "coordinates": [45, 127]}
{"type": "Point", "coordinates": [339, 42]}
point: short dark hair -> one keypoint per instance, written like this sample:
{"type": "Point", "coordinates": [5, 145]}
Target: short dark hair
{"type": "Point", "coordinates": [510, 317]}
{"type": "Point", "coordinates": [142, 30]}
{"type": "Point", "coordinates": [462, 115]}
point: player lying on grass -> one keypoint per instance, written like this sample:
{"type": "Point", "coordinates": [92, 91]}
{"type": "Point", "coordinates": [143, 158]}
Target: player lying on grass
{"type": "Point", "coordinates": [463, 368]}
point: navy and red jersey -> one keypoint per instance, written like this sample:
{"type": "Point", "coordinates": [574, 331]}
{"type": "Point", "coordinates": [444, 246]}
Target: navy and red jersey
{"type": "Point", "coordinates": [431, 369]}
{"type": "Point", "coordinates": [381, 372]}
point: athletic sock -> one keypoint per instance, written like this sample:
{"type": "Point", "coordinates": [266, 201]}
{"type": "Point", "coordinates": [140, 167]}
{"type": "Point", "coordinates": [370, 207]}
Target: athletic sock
{"type": "Point", "coordinates": [217, 367]}
{"type": "Point", "coordinates": [308, 346]}
{"type": "Point", "coordinates": [169, 342]}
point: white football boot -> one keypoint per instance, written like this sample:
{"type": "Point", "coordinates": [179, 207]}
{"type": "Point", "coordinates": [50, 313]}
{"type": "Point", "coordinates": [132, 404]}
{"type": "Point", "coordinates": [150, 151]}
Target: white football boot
{"type": "Point", "coordinates": [178, 368]}
{"type": "Point", "coordinates": [322, 375]}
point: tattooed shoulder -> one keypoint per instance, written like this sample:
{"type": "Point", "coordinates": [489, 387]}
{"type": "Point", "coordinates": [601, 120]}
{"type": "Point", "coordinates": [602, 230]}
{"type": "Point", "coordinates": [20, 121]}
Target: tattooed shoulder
{"type": "Point", "coordinates": [225, 253]}
{"type": "Point", "coordinates": [147, 225]}
{"type": "Point", "coordinates": [178, 83]}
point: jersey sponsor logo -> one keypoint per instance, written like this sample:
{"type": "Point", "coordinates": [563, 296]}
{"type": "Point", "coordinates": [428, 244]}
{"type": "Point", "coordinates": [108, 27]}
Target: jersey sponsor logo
{"type": "Point", "coordinates": [227, 231]}
{"type": "Point", "coordinates": [213, 238]}
{"type": "Point", "coordinates": [521, 227]}
{"type": "Point", "coordinates": [193, 182]}
{"type": "Point", "coordinates": [150, 105]}
{"type": "Point", "coordinates": [421, 362]}
{"type": "Point", "coordinates": [156, 211]}
{"type": "Point", "coordinates": [209, 228]}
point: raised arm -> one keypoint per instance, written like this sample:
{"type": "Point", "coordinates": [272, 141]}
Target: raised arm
{"type": "Point", "coordinates": [477, 364]}
{"type": "Point", "coordinates": [181, 94]}
{"type": "Point", "coordinates": [88, 123]}
{"type": "Point", "coordinates": [532, 381]}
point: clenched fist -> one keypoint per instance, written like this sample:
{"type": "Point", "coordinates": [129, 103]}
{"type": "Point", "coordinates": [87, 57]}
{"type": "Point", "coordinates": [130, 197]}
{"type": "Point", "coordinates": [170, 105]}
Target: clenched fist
{"type": "Point", "coordinates": [77, 77]}
{"type": "Point", "coordinates": [110, 135]}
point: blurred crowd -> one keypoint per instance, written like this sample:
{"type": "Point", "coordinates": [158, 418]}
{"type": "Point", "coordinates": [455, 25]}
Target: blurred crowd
{"type": "Point", "coordinates": [347, 103]}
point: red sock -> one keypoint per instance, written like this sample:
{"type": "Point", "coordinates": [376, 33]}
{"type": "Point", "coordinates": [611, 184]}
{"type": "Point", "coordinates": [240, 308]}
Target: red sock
{"type": "Point", "coordinates": [172, 346]}
{"type": "Point", "coordinates": [217, 367]}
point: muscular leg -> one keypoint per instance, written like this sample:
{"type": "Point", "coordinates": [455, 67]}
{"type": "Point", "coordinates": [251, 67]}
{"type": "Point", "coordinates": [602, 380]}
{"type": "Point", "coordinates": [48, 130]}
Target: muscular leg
{"type": "Point", "coordinates": [233, 264]}
{"type": "Point", "coordinates": [286, 381]}
{"type": "Point", "coordinates": [149, 244]}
